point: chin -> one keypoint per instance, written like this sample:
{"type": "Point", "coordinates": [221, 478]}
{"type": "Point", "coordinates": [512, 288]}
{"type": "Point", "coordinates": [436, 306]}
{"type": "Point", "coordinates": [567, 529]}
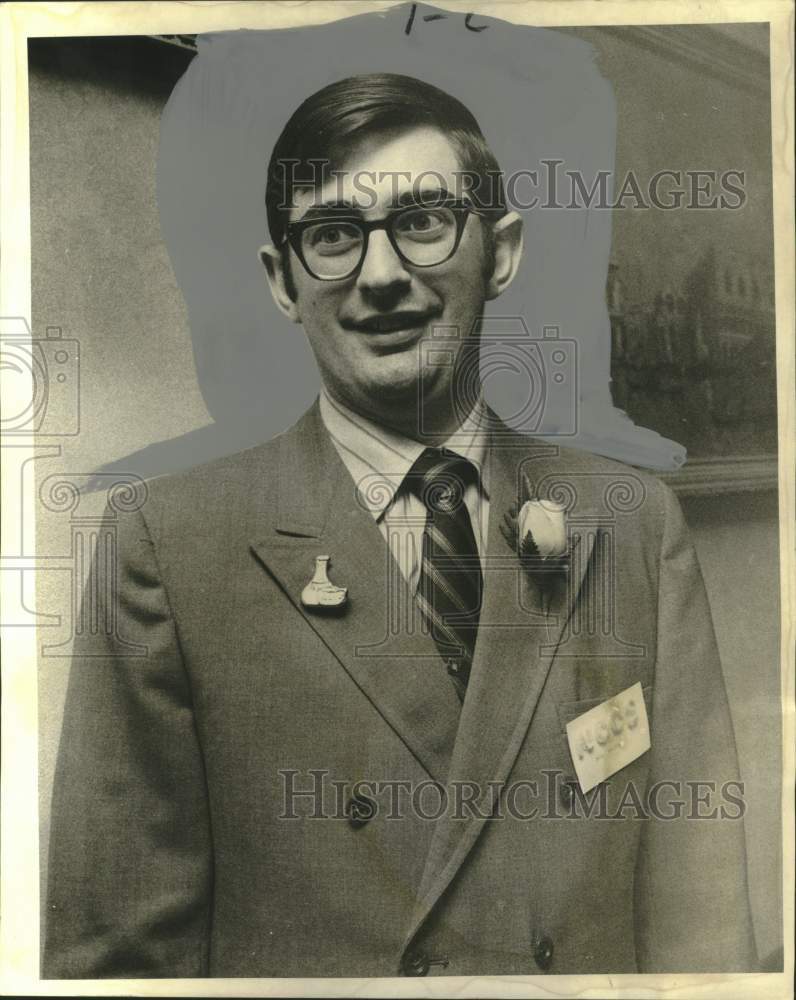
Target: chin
{"type": "Point", "coordinates": [392, 378]}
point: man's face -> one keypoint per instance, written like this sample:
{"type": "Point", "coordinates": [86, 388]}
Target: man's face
{"type": "Point", "coordinates": [367, 331]}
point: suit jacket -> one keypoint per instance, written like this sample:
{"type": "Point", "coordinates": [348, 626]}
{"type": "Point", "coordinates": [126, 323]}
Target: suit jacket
{"type": "Point", "coordinates": [179, 846]}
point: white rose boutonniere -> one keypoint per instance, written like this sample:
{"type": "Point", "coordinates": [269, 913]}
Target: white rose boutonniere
{"type": "Point", "coordinates": [537, 532]}
{"type": "Point", "coordinates": [542, 529]}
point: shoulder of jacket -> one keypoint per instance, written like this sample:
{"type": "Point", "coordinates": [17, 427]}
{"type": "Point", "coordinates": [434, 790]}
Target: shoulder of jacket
{"type": "Point", "coordinates": [577, 462]}
{"type": "Point", "coordinates": [630, 494]}
{"type": "Point", "coordinates": [213, 500]}
{"type": "Point", "coordinates": [214, 475]}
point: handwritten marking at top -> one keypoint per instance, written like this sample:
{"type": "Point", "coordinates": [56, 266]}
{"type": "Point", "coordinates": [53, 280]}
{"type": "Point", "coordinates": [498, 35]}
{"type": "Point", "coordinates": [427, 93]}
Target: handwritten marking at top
{"type": "Point", "coordinates": [441, 17]}
{"type": "Point", "coordinates": [474, 27]}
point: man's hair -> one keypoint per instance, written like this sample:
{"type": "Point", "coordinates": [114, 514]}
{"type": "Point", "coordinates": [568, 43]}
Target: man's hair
{"type": "Point", "coordinates": [323, 128]}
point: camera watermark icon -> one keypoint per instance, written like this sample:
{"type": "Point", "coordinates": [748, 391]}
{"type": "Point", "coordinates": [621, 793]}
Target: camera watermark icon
{"type": "Point", "coordinates": [41, 381]}
{"type": "Point", "coordinates": [538, 376]}
{"type": "Point", "coordinates": [40, 401]}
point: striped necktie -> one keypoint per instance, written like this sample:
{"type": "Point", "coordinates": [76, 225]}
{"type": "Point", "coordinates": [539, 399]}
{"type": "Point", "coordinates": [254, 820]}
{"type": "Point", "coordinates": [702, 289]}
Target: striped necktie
{"type": "Point", "coordinates": [451, 583]}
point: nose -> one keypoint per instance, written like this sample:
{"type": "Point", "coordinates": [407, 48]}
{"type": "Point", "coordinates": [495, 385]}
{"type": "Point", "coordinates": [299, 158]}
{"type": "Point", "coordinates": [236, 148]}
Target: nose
{"type": "Point", "coordinates": [382, 269]}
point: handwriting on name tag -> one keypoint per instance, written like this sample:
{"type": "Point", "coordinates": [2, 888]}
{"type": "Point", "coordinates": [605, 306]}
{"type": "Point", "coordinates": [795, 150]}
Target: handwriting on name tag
{"type": "Point", "coordinates": [609, 737]}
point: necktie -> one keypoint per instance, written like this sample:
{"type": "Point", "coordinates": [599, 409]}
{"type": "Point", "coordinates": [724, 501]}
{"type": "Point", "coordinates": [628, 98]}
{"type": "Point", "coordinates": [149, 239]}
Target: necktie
{"type": "Point", "coordinates": [450, 585]}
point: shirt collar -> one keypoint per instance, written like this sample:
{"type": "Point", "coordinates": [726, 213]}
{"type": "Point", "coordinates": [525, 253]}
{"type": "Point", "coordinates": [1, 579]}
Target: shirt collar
{"type": "Point", "coordinates": [379, 458]}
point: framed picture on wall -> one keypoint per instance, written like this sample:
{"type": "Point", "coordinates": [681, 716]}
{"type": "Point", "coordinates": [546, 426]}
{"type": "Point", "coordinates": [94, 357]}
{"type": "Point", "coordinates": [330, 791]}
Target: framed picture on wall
{"type": "Point", "coordinates": [690, 289]}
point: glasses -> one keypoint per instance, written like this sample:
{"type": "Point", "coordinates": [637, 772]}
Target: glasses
{"type": "Point", "coordinates": [334, 248]}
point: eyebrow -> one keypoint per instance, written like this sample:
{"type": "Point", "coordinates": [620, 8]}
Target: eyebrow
{"type": "Point", "coordinates": [329, 208]}
{"type": "Point", "coordinates": [428, 197]}
{"type": "Point", "coordinates": [425, 197]}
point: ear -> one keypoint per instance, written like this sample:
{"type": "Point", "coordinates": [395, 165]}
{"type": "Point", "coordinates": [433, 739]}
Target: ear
{"type": "Point", "coordinates": [507, 234]}
{"type": "Point", "coordinates": [273, 262]}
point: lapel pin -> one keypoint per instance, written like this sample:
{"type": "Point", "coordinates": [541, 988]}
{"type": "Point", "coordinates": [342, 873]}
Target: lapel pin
{"type": "Point", "coordinates": [320, 592]}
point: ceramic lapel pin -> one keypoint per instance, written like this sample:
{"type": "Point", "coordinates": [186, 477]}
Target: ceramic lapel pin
{"type": "Point", "coordinates": [320, 592]}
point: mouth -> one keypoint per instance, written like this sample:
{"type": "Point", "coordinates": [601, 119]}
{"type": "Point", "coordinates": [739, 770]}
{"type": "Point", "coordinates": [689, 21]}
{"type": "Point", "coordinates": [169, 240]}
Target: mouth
{"type": "Point", "coordinates": [405, 321]}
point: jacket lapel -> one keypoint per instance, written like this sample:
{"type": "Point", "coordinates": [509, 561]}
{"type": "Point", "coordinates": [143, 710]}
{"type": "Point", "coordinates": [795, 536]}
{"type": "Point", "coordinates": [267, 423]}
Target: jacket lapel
{"type": "Point", "coordinates": [376, 635]}
{"type": "Point", "coordinates": [517, 638]}
{"type": "Point", "coordinates": [377, 638]}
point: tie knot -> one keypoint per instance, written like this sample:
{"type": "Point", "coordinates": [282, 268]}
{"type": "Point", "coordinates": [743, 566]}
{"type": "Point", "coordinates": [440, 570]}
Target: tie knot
{"type": "Point", "coordinates": [439, 478]}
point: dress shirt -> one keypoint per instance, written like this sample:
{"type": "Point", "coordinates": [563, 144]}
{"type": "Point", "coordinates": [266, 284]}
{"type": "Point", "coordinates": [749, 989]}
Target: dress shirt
{"type": "Point", "coordinates": [378, 460]}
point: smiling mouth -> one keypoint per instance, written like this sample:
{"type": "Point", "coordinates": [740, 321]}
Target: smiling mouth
{"type": "Point", "coordinates": [392, 322]}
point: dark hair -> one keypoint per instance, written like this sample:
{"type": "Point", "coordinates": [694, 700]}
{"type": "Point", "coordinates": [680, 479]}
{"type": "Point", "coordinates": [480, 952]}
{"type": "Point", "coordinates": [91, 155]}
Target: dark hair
{"type": "Point", "coordinates": [322, 128]}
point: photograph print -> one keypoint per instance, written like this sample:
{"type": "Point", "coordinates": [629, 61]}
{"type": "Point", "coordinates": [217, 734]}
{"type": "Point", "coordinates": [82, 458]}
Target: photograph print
{"type": "Point", "coordinates": [407, 515]}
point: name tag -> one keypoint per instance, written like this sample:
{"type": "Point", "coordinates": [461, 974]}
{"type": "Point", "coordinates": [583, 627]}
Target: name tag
{"type": "Point", "coordinates": [609, 737]}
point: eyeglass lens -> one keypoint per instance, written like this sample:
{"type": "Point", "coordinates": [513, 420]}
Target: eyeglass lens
{"type": "Point", "coordinates": [424, 236]}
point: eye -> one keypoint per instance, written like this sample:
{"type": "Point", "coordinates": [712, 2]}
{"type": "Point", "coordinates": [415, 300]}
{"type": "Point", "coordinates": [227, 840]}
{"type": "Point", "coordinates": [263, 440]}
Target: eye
{"type": "Point", "coordinates": [425, 223]}
{"type": "Point", "coordinates": [332, 237]}
{"type": "Point", "coordinates": [421, 221]}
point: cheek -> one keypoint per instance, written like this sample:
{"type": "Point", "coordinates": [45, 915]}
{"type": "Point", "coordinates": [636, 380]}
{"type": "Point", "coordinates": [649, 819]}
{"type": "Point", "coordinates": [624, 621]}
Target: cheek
{"type": "Point", "coordinates": [465, 294]}
{"type": "Point", "coordinates": [316, 308]}
{"type": "Point", "coordinates": [467, 278]}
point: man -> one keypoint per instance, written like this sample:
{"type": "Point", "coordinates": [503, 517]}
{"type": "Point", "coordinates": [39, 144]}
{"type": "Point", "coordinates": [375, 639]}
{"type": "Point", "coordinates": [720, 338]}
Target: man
{"type": "Point", "coordinates": [346, 751]}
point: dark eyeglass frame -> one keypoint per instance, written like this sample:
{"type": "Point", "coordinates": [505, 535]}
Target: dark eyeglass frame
{"type": "Point", "coordinates": [462, 210]}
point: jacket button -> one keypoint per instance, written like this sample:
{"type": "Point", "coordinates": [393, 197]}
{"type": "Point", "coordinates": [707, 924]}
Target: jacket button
{"type": "Point", "coordinates": [543, 952]}
{"type": "Point", "coordinates": [416, 963]}
{"type": "Point", "coordinates": [360, 810]}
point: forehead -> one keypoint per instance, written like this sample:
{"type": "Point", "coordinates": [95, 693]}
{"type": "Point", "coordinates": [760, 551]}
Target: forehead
{"type": "Point", "coordinates": [381, 167]}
